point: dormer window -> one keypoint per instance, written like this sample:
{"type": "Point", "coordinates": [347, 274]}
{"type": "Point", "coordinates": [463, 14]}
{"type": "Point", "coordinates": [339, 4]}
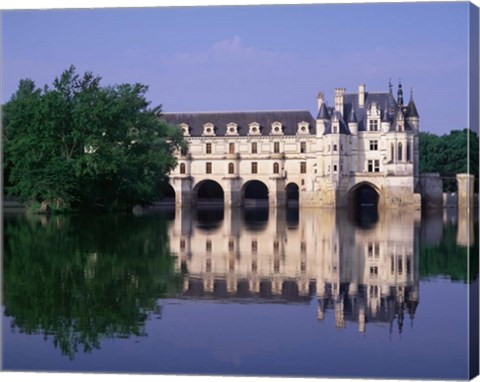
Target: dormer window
{"type": "Point", "coordinates": [185, 129]}
{"type": "Point", "coordinates": [373, 125]}
{"type": "Point", "coordinates": [373, 117]}
{"type": "Point", "coordinates": [277, 128]}
{"type": "Point", "coordinates": [208, 129]}
{"type": "Point", "coordinates": [335, 128]}
{"type": "Point", "coordinates": [232, 129]}
{"type": "Point", "coordinates": [303, 128]}
{"type": "Point", "coordinates": [253, 128]}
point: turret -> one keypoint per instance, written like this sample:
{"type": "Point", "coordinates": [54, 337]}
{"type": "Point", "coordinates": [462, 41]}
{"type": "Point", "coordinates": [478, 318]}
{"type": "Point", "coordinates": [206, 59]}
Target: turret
{"type": "Point", "coordinates": [385, 123]}
{"type": "Point", "coordinates": [322, 118]}
{"type": "Point", "coordinates": [412, 113]}
{"type": "Point", "coordinates": [319, 100]}
{"type": "Point", "coordinates": [352, 122]}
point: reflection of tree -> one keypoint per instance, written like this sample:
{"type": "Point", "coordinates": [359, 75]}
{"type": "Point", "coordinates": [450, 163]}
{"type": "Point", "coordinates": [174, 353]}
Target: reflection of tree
{"type": "Point", "coordinates": [449, 259]}
{"type": "Point", "coordinates": [81, 279]}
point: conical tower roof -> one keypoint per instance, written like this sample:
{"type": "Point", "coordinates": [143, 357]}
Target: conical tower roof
{"type": "Point", "coordinates": [323, 112]}
{"type": "Point", "coordinates": [411, 108]}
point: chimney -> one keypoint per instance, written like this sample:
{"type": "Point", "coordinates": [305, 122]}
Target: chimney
{"type": "Point", "coordinates": [339, 93]}
{"type": "Point", "coordinates": [319, 100]}
{"type": "Point", "coordinates": [361, 95]}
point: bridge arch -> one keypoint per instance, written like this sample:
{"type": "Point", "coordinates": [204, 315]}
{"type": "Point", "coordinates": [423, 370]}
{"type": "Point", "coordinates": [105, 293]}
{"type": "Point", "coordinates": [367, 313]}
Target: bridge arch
{"type": "Point", "coordinates": [254, 192]}
{"type": "Point", "coordinates": [364, 194]}
{"type": "Point", "coordinates": [167, 193]}
{"type": "Point", "coordinates": [208, 191]}
{"type": "Point", "coordinates": [292, 193]}
{"type": "Point", "coordinates": [363, 201]}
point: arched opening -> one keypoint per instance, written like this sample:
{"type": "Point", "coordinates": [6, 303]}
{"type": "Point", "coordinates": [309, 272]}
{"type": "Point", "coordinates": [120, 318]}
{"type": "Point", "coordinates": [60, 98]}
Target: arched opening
{"type": "Point", "coordinates": [364, 204]}
{"type": "Point", "coordinates": [209, 192]}
{"type": "Point", "coordinates": [292, 192]}
{"type": "Point", "coordinates": [167, 194]}
{"type": "Point", "coordinates": [231, 168]}
{"type": "Point", "coordinates": [255, 193]}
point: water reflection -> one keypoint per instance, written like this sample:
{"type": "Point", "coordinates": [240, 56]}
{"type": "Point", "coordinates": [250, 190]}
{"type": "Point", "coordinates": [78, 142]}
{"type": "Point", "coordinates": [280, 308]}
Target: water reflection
{"type": "Point", "coordinates": [84, 280]}
{"type": "Point", "coordinates": [363, 274]}
{"type": "Point", "coordinates": [81, 280]}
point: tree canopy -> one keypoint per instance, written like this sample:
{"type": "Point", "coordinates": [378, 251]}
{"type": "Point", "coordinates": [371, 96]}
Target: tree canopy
{"type": "Point", "coordinates": [448, 155]}
{"type": "Point", "coordinates": [85, 146]}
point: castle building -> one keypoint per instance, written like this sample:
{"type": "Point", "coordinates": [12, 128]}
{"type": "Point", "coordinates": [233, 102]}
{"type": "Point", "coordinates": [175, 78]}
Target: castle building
{"type": "Point", "coordinates": [366, 141]}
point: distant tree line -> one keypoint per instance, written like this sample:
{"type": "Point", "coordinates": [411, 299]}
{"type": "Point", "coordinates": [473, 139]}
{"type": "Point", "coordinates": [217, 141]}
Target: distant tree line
{"type": "Point", "coordinates": [81, 146]}
{"type": "Point", "coordinates": [448, 155]}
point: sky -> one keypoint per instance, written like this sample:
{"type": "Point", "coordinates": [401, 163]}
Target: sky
{"type": "Point", "coordinates": [239, 58]}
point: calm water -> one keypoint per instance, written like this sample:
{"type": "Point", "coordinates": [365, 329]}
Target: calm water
{"type": "Point", "coordinates": [248, 292]}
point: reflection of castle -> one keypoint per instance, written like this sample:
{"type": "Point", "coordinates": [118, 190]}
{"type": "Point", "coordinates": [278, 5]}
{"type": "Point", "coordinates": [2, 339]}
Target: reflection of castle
{"type": "Point", "coordinates": [362, 275]}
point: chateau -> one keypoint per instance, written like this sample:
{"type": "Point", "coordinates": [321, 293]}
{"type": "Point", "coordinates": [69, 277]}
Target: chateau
{"type": "Point", "coordinates": [366, 142]}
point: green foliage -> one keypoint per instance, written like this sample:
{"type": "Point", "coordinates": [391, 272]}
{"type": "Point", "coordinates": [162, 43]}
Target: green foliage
{"type": "Point", "coordinates": [78, 279]}
{"type": "Point", "coordinates": [449, 259]}
{"type": "Point", "coordinates": [85, 146]}
{"type": "Point", "coordinates": [448, 155]}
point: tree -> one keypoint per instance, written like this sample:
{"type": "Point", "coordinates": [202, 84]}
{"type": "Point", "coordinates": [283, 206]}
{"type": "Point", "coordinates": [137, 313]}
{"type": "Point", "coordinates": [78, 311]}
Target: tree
{"type": "Point", "coordinates": [449, 155]}
{"type": "Point", "coordinates": [80, 145]}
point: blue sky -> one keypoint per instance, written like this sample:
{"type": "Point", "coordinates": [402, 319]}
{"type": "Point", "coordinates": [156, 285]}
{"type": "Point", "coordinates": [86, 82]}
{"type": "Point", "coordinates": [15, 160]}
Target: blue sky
{"type": "Point", "coordinates": [253, 57]}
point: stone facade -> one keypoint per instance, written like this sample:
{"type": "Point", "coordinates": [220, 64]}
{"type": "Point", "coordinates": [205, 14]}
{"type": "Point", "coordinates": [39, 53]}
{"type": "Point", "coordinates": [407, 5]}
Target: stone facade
{"type": "Point", "coordinates": [366, 139]}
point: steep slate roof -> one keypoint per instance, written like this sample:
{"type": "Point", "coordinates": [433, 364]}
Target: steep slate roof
{"type": "Point", "coordinates": [343, 126]}
{"type": "Point", "coordinates": [220, 120]}
{"type": "Point", "coordinates": [385, 102]}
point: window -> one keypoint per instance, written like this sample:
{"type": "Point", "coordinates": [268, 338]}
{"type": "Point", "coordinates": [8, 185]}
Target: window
{"type": "Point", "coordinates": [182, 245]}
{"type": "Point", "coordinates": [335, 147]}
{"type": "Point", "coordinates": [400, 266]}
{"type": "Point", "coordinates": [392, 152]}
{"type": "Point", "coordinates": [303, 167]}
{"type": "Point", "coordinates": [373, 271]}
{"type": "Point", "coordinates": [409, 153]}
{"type": "Point", "coordinates": [276, 247]}
{"type": "Point", "coordinates": [208, 265]}
{"type": "Point", "coordinates": [373, 165]}
{"type": "Point", "coordinates": [303, 147]}
{"type": "Point", "coordinates": [208, 246]}
{"type": "Point", "coordinates": [334, 168]}
{"type": "Point", "coordinates": [373, 125]}
{"type": "Point", "coordinates": [231, 148]}
{"type": "Point", "coordinates": [302, 182]}
{"type": "Point", "coordinates": [231, 245]}
{"type": "Point", "coordinates": [254, 167]}
{"type": "Point", "coordinates": [254, 147]}
{"type": "Point", "coordinates": [231, 168]}
{"type": "Point", "coordinates": [254, 265]}
{"type": "Point", "coordinates": [276, 147]}
{"type": "Point", "coordinates": [182, 168]}
{"type": "Point", "coordinates": [400, 152]}
{"type": "Point", "coordinates": [208, 167]}
{"type": "Point", "coordinates": [373, 249]}
{"type": "Point", "coordinates": [303, 247]}
{"type": "Point", "coordinates": [208, 148]}
{"type": "Point", "coordinates": [374, 145]}
{"type": "Point", "coordinates": [276, 168]}
{"type": "Point", "coordinates": [254, 246]}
